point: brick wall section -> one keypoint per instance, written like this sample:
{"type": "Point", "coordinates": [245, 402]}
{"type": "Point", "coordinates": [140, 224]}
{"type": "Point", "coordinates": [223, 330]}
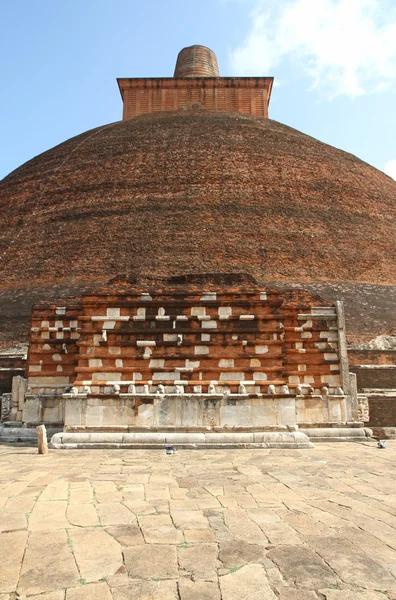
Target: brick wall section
{"type": "Point", "coordinates": [246, 95]}
{"type": "Point", "coordinates": [382, 411]}
{"type": "Point", "coordinates": [374, 376]}
{"type": "Point", "coordinates": [53, 350]}
{"type": "Point", "coordinates": [192, 339]}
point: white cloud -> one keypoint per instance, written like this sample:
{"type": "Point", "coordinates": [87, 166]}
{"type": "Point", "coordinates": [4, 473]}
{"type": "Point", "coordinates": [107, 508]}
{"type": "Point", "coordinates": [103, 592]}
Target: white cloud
{"type": "Point", "coordinates": [346, 47]}
{"type": "Point", "coordinates": [390, 168]}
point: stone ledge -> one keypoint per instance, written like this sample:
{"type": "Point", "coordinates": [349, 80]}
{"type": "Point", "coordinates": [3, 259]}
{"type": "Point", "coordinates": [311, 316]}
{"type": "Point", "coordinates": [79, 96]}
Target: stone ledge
{"type": "Point", "coordinates": [64, 440]}
{"type": "Point", "coordinates": [338, 434]}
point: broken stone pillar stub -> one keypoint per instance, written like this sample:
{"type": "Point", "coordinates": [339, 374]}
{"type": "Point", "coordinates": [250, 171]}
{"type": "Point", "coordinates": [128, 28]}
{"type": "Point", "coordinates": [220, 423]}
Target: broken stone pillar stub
{"type": "Point", "coordinates": [42, 439]}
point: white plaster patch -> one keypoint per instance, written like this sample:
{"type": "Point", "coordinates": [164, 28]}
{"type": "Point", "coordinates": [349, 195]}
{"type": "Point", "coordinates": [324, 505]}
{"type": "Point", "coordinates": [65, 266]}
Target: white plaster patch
{"type": "Point", "coordinates": [255, 362]}
{"type": "Point", "coordinates": [246, 317]}
{"type": "Point", "coordinates": [96, 338]}
{"type": "Point", "coordinates": [201, 350]}
{"type": "Point", "coordinates": [209, 324]}
{"type": "Point", "coordinates": [95, 362]}
{"type": "Point", "coordinates": [119, 362]}
{"type": "Point", "coordinates": [170, 337]}
{"type": "Point", "coordinates": [309, 379]}
{"type": "Point", "coordinates": [113, 312]}
{"type": "Point", "coordinates": [44, 323]}
{"type": "Point", "coordinates": [205, 337]}
{"type": "Point", "coordinates": [299, 345]}
{"type": "Point", "coordinates": [137, 376]}
{"type": "Point", "coordinates": [56, 357]}
{"type": "Point", "coordinates": [198, 311]}
{"type": "Point", "coordinates": [158, 363]}
{"type": "Point", "coordinates": [145, 297]}
{"type": "Point", "coordinates": [35, 368]}
{"type": "Point", "coordinates": [46, 347]}
{"type": "Point", "coordinates": [145, 343]}
{"type": "Point", "coordinates": [165, 376]}
{"type": "Point", "coordinates": [259, 375]}
{"type": "Point", "coordinates": [109, 324]}
{"type": "Point", "coordinates": [333, 380]}
{"type": "Point", "coordinates": [330, 335]}
{"type": "Point", "coordinates": [225, 312]}
{"type": "Point", "coordinates": [263, 295]}
{"type": "Point", "coordinates": [302, 367]}
{"type": "Point", "coordinates": [209, 296]}
{"type": "Point", "coordinates": [59, 335]}
{"type": "Point", "coordinates": [73, 324]}
{"type": "Point", "coordinates": [60, 310]}
{"type": "Point", "coordinates": [232, 376]}
{"type": "Point", "coordinates": [192, 364]}
{"type": "Point", "coordinates": [45, 335]}
{"type": "Point", "coordinates": [226, 363]}
{"type": "Point", "coordinates": [294, 379]}
{"type": "Point", "coordinates": [261, 349]}
{"type": "Point", "coordinates": [334, 367]}
{"type": "Point", "coordinates": [330, 356]}
{"type": "Point", "coordinates": [306, 335]}
{"type": "Point", "coordinates": [162, 318]}
{"type": "Point", "coordinates": [59, 368]}
{"type": "Point", "coordinates": [59, 324]}
{"type": "Point", "coordinates": [147, 353]}
{"type": "Point", "coordinates": [106, 376]}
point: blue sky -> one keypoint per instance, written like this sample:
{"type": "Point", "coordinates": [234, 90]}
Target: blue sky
{"type": "Point", "coordinates": [334, 63]}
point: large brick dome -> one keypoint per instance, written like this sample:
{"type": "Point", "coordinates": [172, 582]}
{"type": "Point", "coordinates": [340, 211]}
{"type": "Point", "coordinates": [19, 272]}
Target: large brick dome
{"type": "Point", "coordinates": [170, 193]}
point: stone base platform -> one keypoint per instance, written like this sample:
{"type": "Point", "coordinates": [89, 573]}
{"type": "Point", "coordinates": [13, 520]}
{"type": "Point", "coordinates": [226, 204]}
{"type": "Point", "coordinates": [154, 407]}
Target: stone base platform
{"type": "Point", "coordinates": [15, 434]}
{"type": "Point", "coordinates": [351, 432]}
{"type": "Point", "coordinates": [158, 439]}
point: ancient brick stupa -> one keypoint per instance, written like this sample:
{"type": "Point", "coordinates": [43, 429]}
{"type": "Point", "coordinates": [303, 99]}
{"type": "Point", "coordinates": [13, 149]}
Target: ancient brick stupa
{"type": "Point", "coordinates": [175, 238]}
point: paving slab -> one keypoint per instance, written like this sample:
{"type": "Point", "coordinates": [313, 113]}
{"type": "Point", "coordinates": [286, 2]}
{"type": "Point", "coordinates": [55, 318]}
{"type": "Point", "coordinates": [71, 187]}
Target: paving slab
{"type": "Point", "coordinates": [315, 524]}
{"type": "Point", "coordinates": [248, 583]}
{"type": "Point", "coordinates": [48, 563]}
{"type": "Point", "coordinates": [97, 553]}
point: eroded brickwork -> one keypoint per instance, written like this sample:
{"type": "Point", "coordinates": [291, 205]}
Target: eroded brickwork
{"type": "Point", "coordinates": [247, 95]}
{"type": "Point", "coordinates": [189, 342]}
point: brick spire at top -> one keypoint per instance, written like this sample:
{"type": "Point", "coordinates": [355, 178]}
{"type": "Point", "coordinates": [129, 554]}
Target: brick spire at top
{"type": "Point", "coordinates": [196, 61]}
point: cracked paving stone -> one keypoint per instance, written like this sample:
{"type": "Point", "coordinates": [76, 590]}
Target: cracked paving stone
{"type": "Point", "coordinates": [189, 519]}
{"type": "Point", "coordinates": [83, 515]}
{"type": "Point", "coordinates": [236, 553]}
{"type": "Point", "coordinates": [351, 564]}
{"type": "Point", "coordinates": [12, 548]}
{"type": "Point", "coordinates": [48, 564]}
{"type": "Point", "coordinates": [159, 529]}
{"type": "Point", "coordinates": [48, 516]}
{"type": "Point", "coordinates": [114, 513]}
{"type": "Point", "coordinates": [352, 595]}
{"type": "Point", "coordinates": [243, 528]}
{"type": "Point", "coordinates": [199, 561]}
{"type": "Point", "coordinates": [198, 590]}
{"type": "Point", "coordinates": [248, 583]}
{"type": "Point", "coordinates": [302, 566]}
{"type": "Point", "coordinates": [93, 591]}
{"type": "Point", "coordinates": [147, 590]}
{"type": "Point", "coordinates": [295, 594]}
{"type": "Point", "coordinates": [97, 554]}
{"type": "Point", "coordinates": [151, 561]}
{"type": "Point", "coordinates": [199, 536]}
{"type": "Point", "coordinates": [126, 535]}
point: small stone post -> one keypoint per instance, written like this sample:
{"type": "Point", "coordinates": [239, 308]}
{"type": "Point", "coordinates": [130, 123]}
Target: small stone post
{"type": "Point", "coordinates": [42, 439]}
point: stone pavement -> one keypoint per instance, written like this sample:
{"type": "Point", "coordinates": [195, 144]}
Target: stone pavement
{"type": "Point", "coordinates": [199, 525]}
